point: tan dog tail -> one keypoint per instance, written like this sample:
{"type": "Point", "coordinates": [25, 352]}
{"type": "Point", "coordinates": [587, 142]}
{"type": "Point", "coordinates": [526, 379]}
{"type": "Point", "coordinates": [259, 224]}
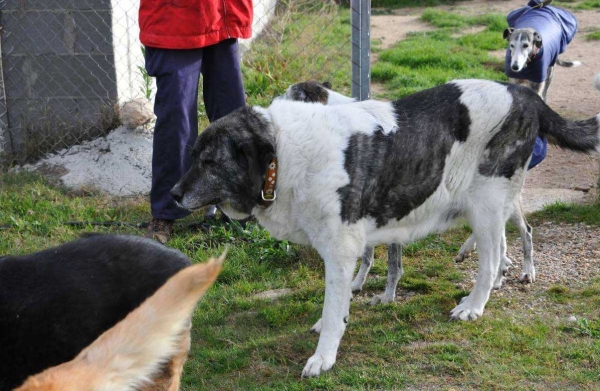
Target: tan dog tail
{"type": "Point", "coordinates": [134, 350]}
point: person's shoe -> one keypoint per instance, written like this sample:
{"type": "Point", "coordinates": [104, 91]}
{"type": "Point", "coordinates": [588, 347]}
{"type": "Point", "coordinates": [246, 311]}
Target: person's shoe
{"type": "Point", "coordinates": [160, 230]}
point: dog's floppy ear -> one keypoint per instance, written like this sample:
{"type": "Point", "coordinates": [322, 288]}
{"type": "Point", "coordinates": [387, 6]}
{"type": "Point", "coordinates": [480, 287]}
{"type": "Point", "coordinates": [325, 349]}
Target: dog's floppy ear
{"type": "Point", "coordinates": [326, 84]}
{"type": "Point", "coordinates": [507, 33]}
{"type": "Point", "coordinates": [537, 40]}
{"type": "Point", "coordinates": [132, 352]}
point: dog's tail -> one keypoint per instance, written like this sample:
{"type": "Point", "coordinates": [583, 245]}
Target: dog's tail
{"type": "Point", "coordinates": [567, 64]}
{"type": "Point", "coordinates": [580, 136]}
{"type": "Point", "coordinates": [132, 352]}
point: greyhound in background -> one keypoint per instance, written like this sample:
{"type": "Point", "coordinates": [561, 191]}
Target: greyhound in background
{"type": "Point", "coordinates": [536, 35]}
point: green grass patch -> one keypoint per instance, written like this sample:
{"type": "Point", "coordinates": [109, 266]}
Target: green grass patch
{"type": "Point", "coordinates": [587, 5]}
{"type": "Point", "coordinates": [569, 213]}
{"type": "Point", "coordinates": [593, 36]}
{"type": "Point", "coordinates": [409, 3]}
{"type": "Point", "coordinates": [584, 5]}
{"type": "Point", "coordinates": [425, 60]}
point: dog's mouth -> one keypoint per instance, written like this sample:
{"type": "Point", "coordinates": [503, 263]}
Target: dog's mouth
{"type": "Point", "coordinates": [214, 201]}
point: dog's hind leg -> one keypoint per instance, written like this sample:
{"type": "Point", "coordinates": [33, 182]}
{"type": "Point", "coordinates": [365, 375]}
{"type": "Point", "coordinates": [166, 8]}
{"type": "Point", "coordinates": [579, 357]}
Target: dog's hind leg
{"type": "Point", "coordinates": [395, 272]}
{"type": "Point", "coordinates": [365, 266]}
{"type": "Point", "coordinates": [528, 268]}
{"type": "Point", "coordinates": [467, 247]}
{"type": "Point", "coordinates": [546, 84]}
{"type": "Point", "coordinates": [487, 222]}
{"type": "Point", "coordinates": [505, 263]}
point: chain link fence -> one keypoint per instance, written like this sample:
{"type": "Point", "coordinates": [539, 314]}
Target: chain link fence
{"type": "Point", "coordinates": [67, 66]}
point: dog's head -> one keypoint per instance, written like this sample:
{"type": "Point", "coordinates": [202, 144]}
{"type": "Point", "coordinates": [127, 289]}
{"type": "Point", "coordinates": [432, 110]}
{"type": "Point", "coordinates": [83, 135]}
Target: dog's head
{"type": "Point", "coordinates": [524, 44]}
{"type": "Point", "coordinates": [229, 163]}
{"type": "Point", "coordinates": [314, 92]}
{"type": "Point", "coordinates": [308, 91]}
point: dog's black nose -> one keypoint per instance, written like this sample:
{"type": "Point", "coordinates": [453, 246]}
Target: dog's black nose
{"type": "Point", "coordinates": [176, 193]}
{"type": "Point", "coordinates": [515, 67]}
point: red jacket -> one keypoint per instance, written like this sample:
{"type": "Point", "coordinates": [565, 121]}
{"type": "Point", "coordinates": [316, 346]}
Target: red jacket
{"type": "Point", "coordinates": [189, 24]}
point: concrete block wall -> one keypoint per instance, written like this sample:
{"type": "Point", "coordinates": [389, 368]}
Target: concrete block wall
{"type": "Point", "coordinates": [59, 73]}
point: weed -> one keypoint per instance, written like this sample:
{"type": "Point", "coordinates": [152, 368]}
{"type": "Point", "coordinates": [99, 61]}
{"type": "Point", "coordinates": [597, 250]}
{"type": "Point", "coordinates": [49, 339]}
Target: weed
{"type": "Point", "coordinates": [146, 88]}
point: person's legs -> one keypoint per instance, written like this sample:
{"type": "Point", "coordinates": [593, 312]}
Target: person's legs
{"type": "Point", "coordinates": [177, 73]}
{"type": "Point", "coordinates": [223, 89]}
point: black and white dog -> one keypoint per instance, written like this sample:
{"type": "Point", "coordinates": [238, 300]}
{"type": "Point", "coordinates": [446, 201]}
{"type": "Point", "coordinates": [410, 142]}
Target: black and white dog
{"type": "Point", "coordinates": [360, 174]}
{"type": "Point", "coordinates": [56, 302]}
{"type": "Point", "coordinates": [537, 34]}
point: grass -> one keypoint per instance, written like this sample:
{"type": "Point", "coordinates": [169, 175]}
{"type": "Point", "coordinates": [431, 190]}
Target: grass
{"type": "Point", "coordinates": [593, 36]}
{"type": "Point", "coordinates": [409, 3]}
{"type": "Point", "coordinates": [241, 342]}
{"type": "Point", "coordinates": [570, 214]}
{"type": "Point", "coordinates": [588, 5]}
{"type": "Point", "coordinates": [423, 61]}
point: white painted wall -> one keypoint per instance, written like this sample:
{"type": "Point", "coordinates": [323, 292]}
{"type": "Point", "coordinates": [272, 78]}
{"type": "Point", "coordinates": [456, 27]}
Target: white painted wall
{"type": "Point", "coordinates": [128, 52]}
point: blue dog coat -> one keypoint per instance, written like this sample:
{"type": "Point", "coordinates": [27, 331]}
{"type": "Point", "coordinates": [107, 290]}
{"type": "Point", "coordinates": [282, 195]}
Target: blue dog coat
{"type": "Point", "coordinates": [557, 28]}
{"type": "Point", "coordinates": [539, 152]}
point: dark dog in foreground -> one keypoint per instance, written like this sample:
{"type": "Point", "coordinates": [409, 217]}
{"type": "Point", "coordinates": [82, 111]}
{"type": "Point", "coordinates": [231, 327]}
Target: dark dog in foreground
{"type": "Point", "coordinates": [344, 177]}
{"type": "Point", "coordinates": [133, 354]}
{"type": "Point", "coordinates": [537, 35]}
{"type": "Point", "coordinates": [56, 302]}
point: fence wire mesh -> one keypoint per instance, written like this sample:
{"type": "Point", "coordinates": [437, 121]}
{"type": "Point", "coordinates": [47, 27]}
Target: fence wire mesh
{"type": "Point", "coordinates": [68, 65]}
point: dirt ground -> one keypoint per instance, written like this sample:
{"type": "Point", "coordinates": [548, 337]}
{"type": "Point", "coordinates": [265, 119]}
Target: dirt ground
{"type": "Point", "coordinates": [564, 175]}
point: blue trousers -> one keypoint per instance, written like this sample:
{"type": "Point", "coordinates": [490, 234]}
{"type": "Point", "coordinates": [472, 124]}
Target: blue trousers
{"type": "Point", "coordinates": [177, 74]}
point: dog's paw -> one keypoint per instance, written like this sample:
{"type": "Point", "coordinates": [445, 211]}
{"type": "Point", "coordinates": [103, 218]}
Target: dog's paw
{"type": "Point", "coordinates": [498, 282]}
{"type": "Point", "coordinates": [527, 278]}
{"type": "Point", "coordinates": [464, 311]}
{"type": "Point", "coordinates": [382, 299]}
{"type": "Point", "coordinates": [317, 364]}
{"type": "Point", "coordinates": [461, 257]}
{"type": "Point", "coordinates": [316, 328]}
{"type": "Point", "coordinates": [505, 264]}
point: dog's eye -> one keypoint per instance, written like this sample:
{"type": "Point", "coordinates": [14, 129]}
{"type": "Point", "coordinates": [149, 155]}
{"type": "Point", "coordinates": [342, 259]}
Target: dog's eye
{"type": "Point", "coordinates": [525, 46]}
{"type": "Point", "coordinates": [207, 161]}
{"type": "Point", "coordinates": [512, 46]}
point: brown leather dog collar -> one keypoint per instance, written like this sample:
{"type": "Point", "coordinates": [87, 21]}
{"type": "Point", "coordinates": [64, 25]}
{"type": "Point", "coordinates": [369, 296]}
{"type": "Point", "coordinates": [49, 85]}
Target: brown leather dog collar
{"type": "Point", "coordinates": [268, 193]}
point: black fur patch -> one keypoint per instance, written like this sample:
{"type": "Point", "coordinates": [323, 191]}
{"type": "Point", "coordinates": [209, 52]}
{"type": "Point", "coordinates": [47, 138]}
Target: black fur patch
{"type": "Point", "coordinates": [391, 175]}
{"type": "Point", "coordinates": [509, 150]}
{"type": "Point", "coordinates": [310, 91]}
{"type": "Point", "coordinates": [56, 302]}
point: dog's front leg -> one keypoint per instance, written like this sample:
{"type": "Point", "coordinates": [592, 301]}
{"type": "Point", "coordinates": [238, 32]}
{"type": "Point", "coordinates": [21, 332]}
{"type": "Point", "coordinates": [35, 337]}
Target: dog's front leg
{"type": "Point", "coordinates": [338, 278]}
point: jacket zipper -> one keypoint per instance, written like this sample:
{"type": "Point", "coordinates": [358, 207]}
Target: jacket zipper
{"type": "Point", "coordinates": [225, 18]}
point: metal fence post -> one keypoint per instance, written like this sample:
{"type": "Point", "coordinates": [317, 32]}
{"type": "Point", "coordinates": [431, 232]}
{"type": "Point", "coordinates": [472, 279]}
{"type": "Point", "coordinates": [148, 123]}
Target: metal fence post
{"type": "Point", "coordinates": [361, 49]}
